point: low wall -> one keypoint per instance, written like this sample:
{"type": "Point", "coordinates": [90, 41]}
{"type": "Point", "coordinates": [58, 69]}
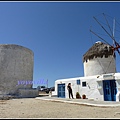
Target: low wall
{"type": "Point", "coordinates": [28, 93]}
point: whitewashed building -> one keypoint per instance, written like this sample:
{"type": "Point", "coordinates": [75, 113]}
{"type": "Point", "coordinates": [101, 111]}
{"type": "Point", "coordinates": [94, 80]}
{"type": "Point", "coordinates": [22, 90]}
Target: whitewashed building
{"type": "Point", "coordinates": [100, 81]}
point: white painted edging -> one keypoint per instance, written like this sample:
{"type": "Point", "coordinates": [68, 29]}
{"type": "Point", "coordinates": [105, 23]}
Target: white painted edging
{"type": "Point", "coordinates": [81, 103]}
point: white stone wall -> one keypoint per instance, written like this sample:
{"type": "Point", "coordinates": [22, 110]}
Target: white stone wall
{"type": "Point", "coordinates": [117, 77]}
{"type": "Point", "coordinates": [66, 81]}
{"type": "Point", "coordinates": [99, 66]}
{"type": "Point", "coordinates": [16, 64]}
{"type": "Point", "coordinates": [92, 90]}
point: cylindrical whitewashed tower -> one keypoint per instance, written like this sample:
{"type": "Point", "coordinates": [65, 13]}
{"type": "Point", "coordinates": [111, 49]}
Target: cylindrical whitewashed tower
{"type": "Point", "coordinates": [16, 68]}
{"type": "Point", "coordinates": [99, 59]}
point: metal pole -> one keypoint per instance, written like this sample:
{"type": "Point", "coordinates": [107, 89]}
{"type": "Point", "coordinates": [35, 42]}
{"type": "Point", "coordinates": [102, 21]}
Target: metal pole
{"type": "Point", "coordinates": [113, 31]}
{"type": "Point", "coordinates": [113, 27]}
{"type": "Point", "coordinates": [47, 83]}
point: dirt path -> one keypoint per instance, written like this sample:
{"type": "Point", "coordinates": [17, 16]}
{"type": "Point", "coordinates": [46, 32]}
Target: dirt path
{"type": "Point", "coordinates": [35, 108]}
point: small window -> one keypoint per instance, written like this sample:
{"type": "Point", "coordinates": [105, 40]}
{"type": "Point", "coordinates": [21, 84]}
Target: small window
{"type": "Point", "coordinates": [78, 82]}
{"type": "Point", "coordinates": [83, 84]}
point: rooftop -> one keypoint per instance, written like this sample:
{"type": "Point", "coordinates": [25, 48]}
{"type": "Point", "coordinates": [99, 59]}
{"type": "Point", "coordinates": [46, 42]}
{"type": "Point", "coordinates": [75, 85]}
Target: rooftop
{"type": "Point", "coordinates": [99, 49]}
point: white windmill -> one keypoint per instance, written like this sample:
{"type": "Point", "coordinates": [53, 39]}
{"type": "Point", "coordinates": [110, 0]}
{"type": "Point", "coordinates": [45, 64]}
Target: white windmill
{"type": "Point", "coordinates": [100, 58]}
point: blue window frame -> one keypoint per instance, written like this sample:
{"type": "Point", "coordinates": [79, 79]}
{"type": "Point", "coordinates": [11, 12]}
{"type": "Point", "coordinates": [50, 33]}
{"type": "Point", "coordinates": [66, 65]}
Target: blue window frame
{"type": "Point", "coordinates": [78, 82]}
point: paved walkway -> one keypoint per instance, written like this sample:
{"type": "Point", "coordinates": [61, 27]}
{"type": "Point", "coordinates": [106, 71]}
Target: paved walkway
{"type": "Point", "coordinates": [81, 101]}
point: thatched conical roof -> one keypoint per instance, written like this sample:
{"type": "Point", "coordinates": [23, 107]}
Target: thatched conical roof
{"type": "Point", "coordinates": [99, 49]}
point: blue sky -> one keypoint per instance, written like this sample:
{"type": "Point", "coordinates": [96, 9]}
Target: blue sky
{"type": "Point", "coordinates": [57, 32]}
